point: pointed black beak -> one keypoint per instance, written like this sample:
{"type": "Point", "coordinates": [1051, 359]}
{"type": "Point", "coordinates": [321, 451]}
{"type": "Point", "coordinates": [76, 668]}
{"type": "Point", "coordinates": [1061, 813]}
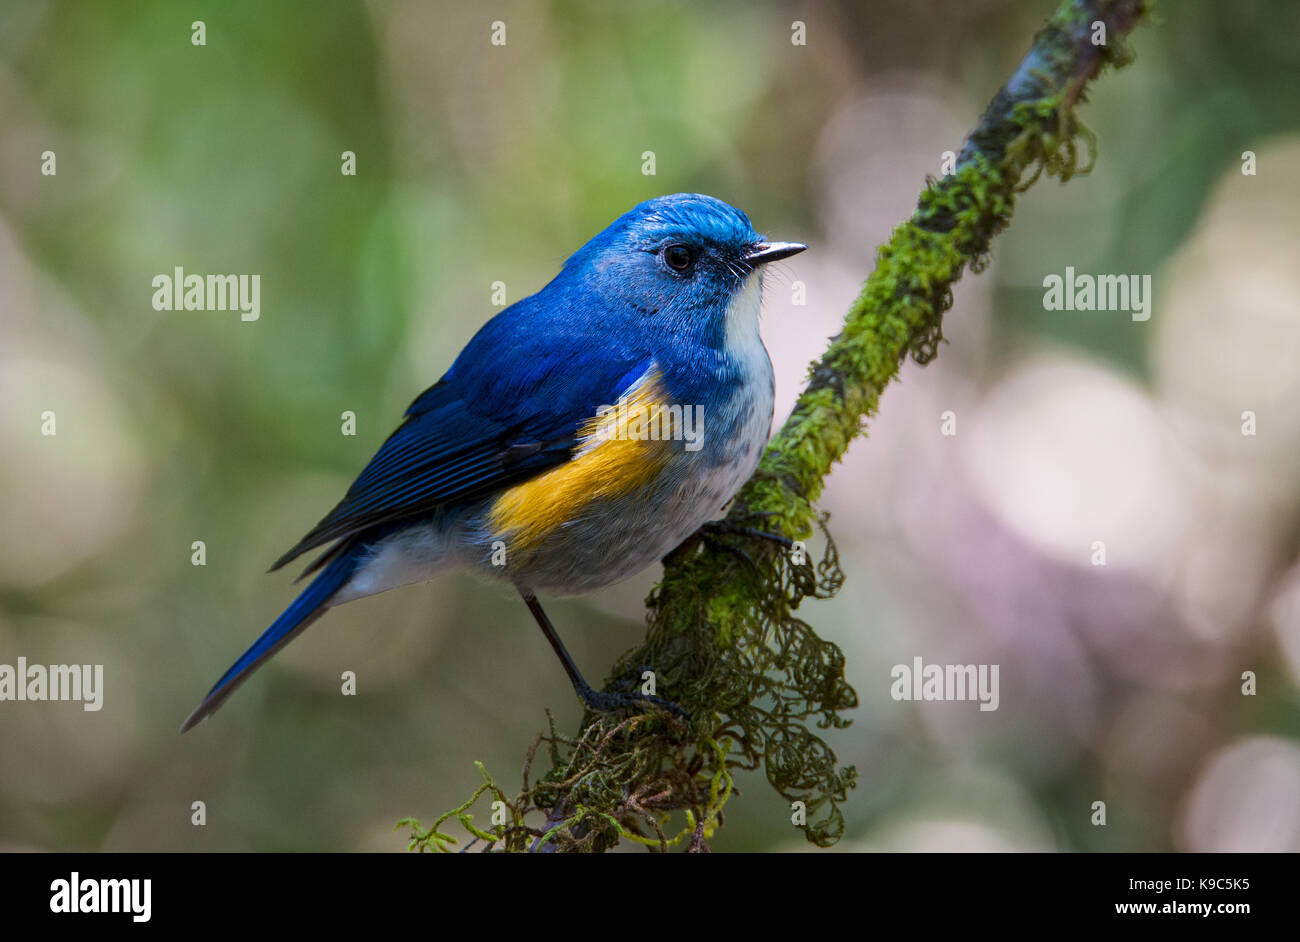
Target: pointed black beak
{"type": "Point", "coordinates": [762, 252]}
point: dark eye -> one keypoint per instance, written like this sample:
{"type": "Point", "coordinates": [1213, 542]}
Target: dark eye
{"type": "Point", "coordinates": [678, 257]}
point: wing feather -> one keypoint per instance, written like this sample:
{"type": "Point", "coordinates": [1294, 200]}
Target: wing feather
{"type": "Point", "coordinates": [477, 430]}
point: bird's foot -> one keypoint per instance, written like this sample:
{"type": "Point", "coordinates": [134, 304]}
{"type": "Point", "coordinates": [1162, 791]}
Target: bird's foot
{"type": "Point", "coordinates": [599, 701]}
{"type": "Point", "coordinates": [728, 527]}
{"type": "Point", "coordinates": [714, 533]}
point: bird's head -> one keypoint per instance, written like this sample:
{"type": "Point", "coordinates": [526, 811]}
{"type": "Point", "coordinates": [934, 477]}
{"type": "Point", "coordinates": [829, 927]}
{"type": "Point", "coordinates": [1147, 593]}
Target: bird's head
{"type": "Point", "coordinates": [680, 259]}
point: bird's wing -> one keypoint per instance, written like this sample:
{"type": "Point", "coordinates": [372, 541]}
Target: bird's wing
{"type": "Point", "coordinates": [499, 416]}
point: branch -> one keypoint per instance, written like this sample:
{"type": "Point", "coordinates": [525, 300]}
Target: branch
{"type": "Point", "coordinates": [721, 636]}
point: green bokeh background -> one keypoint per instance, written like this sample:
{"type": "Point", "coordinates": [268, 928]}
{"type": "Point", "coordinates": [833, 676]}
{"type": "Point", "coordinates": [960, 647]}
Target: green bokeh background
{"type": "Point", "coordinates": [479, 164]}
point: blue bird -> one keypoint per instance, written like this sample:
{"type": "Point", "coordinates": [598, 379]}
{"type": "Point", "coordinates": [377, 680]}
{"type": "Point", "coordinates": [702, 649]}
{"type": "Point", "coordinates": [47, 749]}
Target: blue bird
{"type": "Point", "coordinates": [583, 432]}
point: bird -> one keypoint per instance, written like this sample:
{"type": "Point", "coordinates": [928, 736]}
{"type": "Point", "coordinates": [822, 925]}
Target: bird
{"type": "Point", "coordinates": [583, 432]}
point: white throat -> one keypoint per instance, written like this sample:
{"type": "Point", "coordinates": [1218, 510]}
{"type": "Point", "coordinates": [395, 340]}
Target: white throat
{"type": "Point", "coordinates": [743, 342]}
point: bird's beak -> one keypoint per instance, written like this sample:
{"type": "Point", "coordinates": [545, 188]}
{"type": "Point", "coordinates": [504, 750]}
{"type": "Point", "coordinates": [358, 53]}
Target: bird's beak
{"type": "Point", "coordinates": [761, 252]}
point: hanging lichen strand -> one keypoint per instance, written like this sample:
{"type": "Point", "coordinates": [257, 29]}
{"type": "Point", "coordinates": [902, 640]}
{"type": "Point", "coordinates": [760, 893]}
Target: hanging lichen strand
{"type": "Point", "coordinates": [723, 638]}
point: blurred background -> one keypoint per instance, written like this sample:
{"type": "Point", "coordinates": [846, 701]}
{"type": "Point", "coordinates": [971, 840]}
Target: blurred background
{"type": "Point", "coordinates": [479, 163]}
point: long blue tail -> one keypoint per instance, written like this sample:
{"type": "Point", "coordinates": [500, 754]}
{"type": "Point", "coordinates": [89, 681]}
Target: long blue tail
{"type": "Point", "coordinates": [306, 608]}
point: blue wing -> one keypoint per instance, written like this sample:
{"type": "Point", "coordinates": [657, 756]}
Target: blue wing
{"type": "Point", "coordinates": [508, 409]}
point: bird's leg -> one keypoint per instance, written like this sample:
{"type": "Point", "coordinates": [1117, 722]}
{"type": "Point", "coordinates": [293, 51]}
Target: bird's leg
{"type": "Point", "coordinates": [595, 700]}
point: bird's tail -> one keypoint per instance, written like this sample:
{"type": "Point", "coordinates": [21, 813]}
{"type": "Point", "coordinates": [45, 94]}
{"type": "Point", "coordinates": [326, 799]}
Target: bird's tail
{"type": "Point", "coordinates": [306, 608]}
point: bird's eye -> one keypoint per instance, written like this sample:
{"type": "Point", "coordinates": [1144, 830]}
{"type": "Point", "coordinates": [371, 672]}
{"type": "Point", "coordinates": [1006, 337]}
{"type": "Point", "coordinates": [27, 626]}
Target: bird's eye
{"type": "Point", "coordinates": [678, 257]}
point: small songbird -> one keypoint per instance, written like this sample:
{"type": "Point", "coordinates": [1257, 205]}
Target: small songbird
{"type": "Point", "coordinates": [583, 432]}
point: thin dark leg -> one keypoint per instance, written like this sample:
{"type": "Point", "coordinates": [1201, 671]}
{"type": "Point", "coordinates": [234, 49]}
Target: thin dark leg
{"type": "Point", "coordinates": [594, 700]}
{"type": "Point", "coordinates": [570, 668]}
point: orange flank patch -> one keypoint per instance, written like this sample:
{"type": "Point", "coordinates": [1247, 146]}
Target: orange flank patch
{"type": "Point", "coordinates": [614, 459]}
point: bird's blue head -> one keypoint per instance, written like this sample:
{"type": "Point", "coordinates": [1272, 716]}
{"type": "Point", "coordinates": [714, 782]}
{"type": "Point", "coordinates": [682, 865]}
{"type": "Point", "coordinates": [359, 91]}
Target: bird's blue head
{"type": "Point", "coordinates": [677, 260]}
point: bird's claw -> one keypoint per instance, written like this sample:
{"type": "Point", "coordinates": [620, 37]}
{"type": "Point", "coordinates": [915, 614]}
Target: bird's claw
{"type": "Point", "coordinates": [599, 701]}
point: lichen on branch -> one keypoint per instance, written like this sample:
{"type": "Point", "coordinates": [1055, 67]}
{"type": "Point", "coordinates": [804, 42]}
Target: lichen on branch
{"type": "Point", "coordinates": [722, 635]}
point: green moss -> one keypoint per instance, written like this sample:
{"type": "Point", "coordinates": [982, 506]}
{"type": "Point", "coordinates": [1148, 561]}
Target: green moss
{"type": "Point", "coordinates": [722, 633]}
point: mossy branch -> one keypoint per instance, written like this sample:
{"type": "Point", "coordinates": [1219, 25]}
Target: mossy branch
{"type": "Point", "coordinates": [722, 637]}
